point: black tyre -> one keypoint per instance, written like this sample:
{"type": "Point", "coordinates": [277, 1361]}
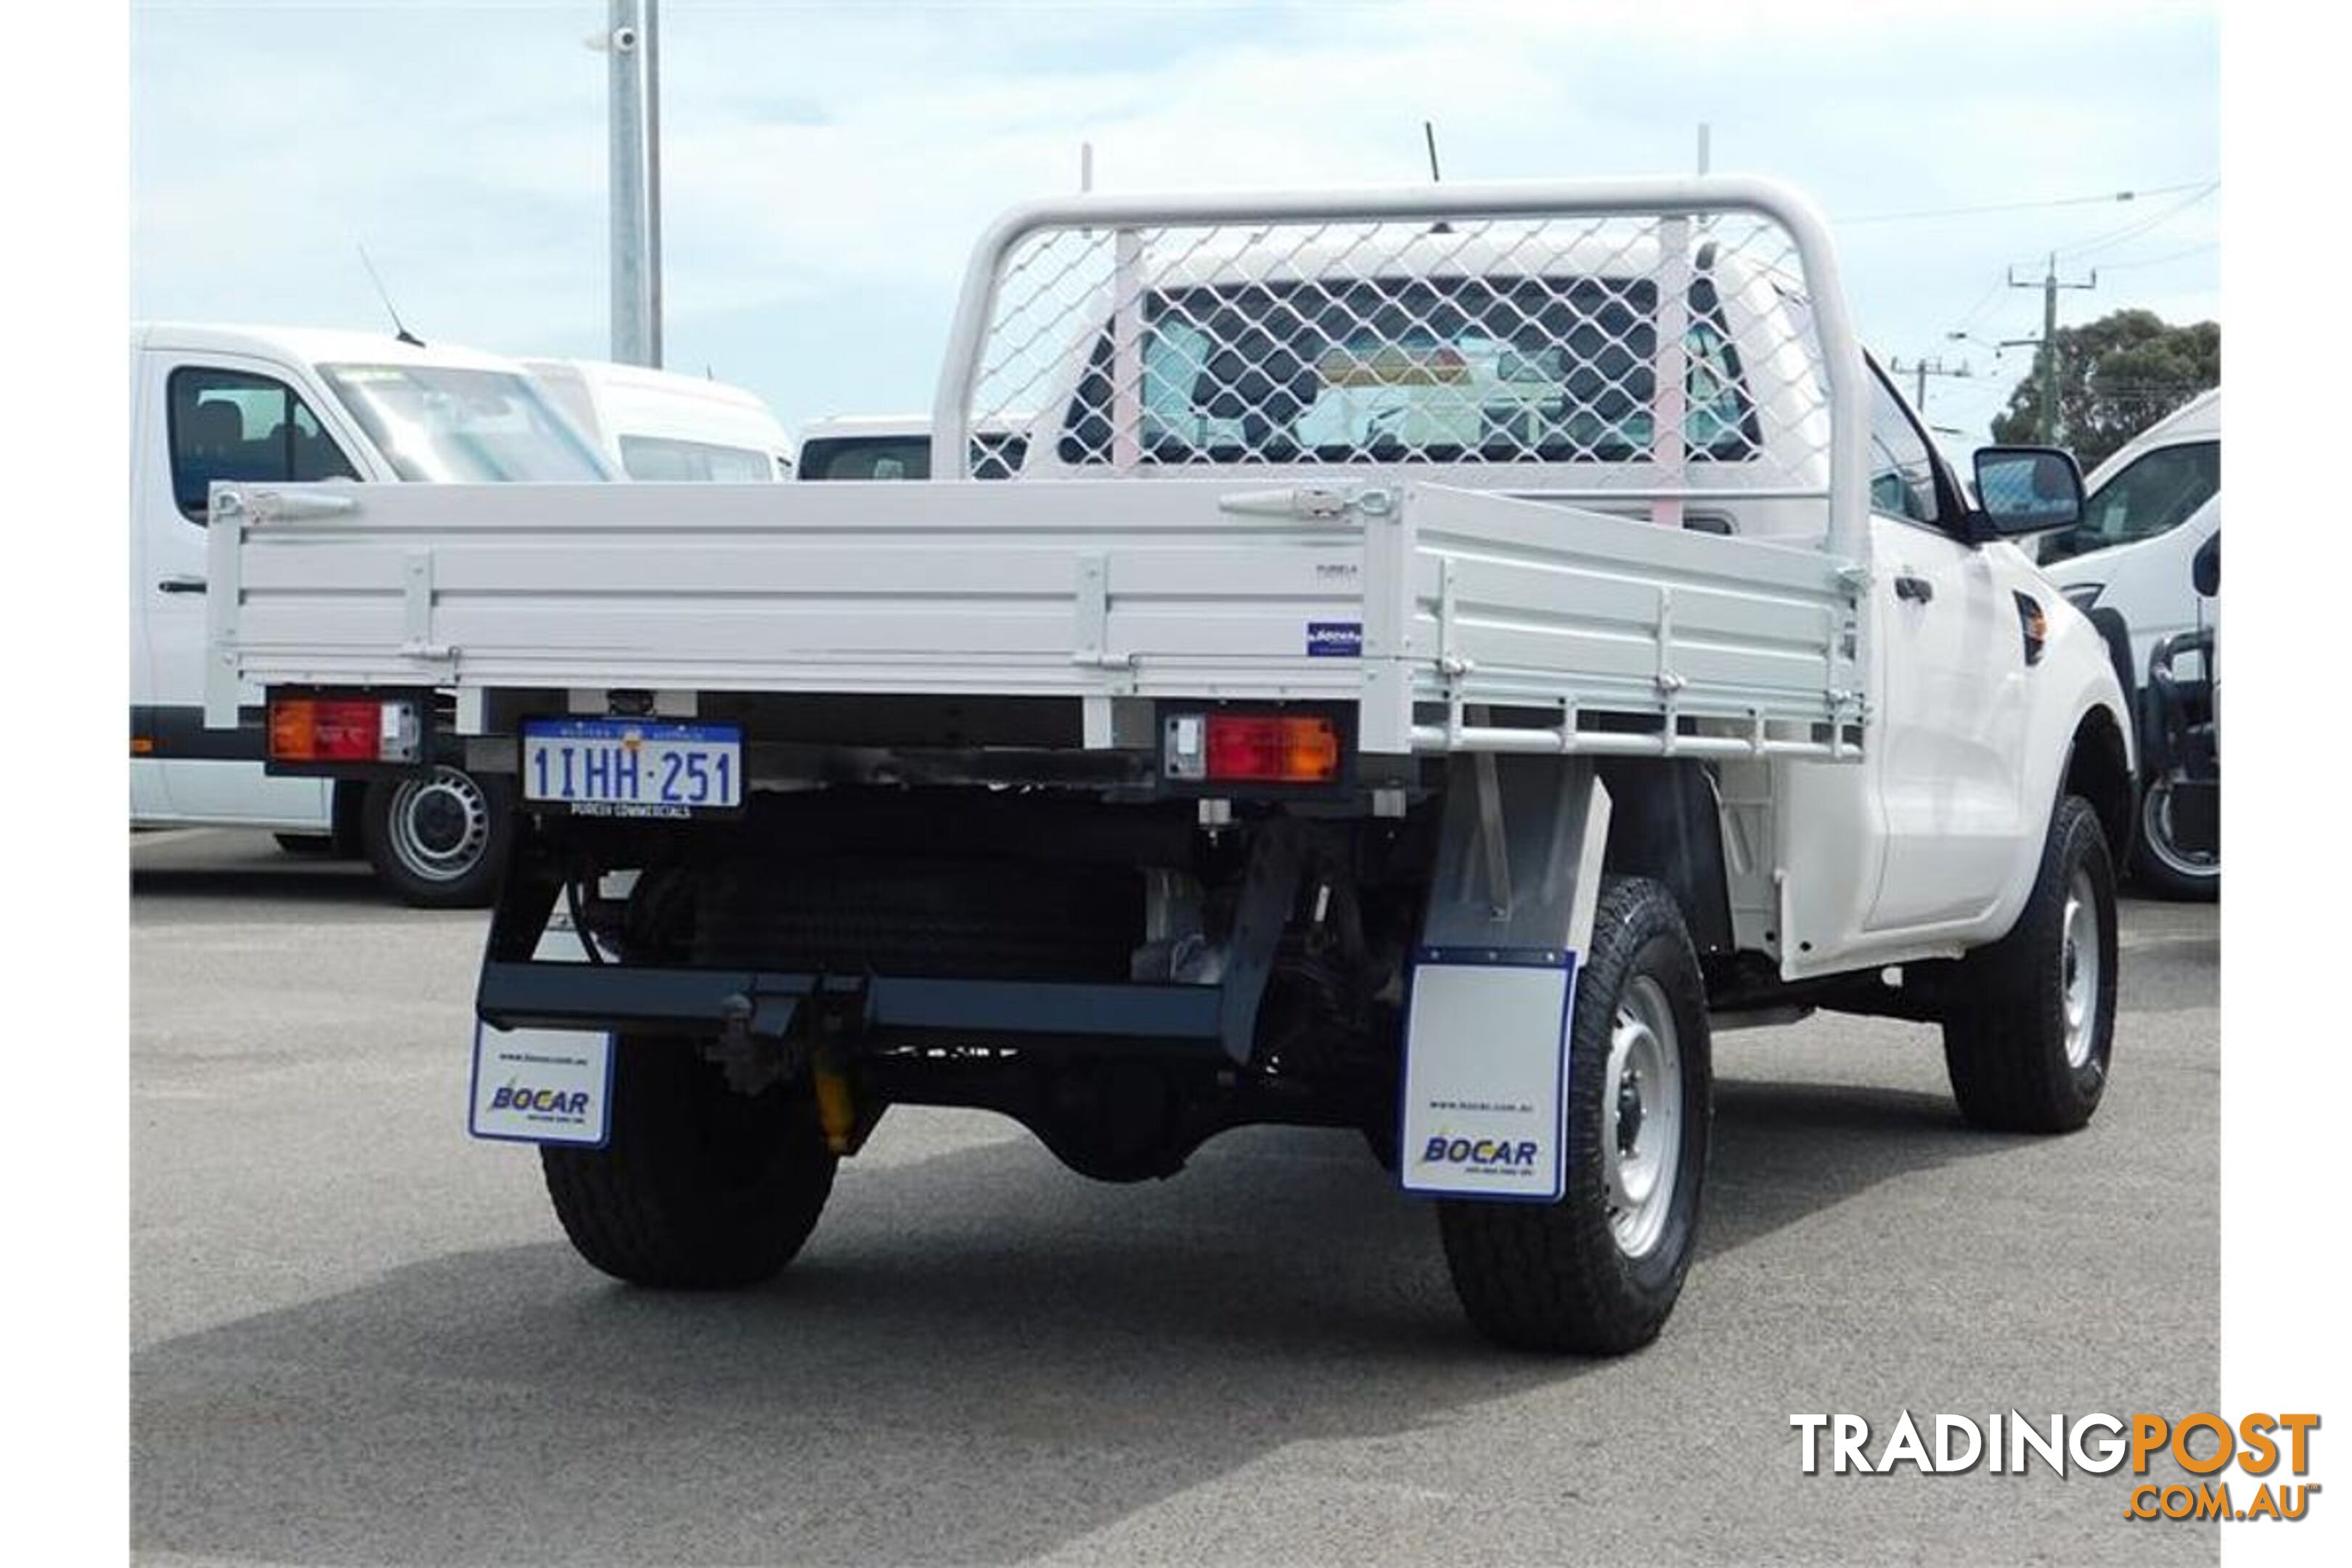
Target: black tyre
{"type": "Point", "coordinates": [699, 1187]}
{"type": "Point", "coordinates": [309, 844]}
{"type": "Point", "coordinates": [439, 839]}
{"type": "Point", "coordinates": [2163, 868]}
{"type": "Point", "coordinates": [2031, 1024]}
{"type": "Point", "coordinates": [1598, 1271]}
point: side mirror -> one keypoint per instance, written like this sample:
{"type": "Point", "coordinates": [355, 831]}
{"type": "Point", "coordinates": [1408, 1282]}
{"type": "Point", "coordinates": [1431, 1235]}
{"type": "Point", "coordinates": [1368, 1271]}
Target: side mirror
{"type": "Point", "coordinates": [2028, 489]}
{"type": "Point", "coordinates": [2205, 570]}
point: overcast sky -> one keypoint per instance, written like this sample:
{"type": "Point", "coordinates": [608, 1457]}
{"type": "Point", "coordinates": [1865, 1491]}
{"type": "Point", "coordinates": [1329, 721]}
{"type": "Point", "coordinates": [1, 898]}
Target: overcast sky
{"type": "Point", "coordinates": [825, 165]}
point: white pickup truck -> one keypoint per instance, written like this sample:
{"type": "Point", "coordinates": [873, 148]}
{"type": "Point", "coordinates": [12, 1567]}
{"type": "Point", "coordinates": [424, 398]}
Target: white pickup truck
{"type": "Point", "coordinates": [1445, 654]}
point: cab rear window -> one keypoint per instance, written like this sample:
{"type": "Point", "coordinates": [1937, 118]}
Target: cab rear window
{"type": "Point", "coordinates": [1429, 370]}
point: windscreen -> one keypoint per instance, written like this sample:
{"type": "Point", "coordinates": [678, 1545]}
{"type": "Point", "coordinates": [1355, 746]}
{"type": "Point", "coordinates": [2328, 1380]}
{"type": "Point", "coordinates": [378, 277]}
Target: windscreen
{"type": "Point", "coordinates": [866, 458]}
{"type": "Point", "coordinates": [993, 457]}
{"type": "Point", "coordinates": [2158, 492]}
{"type": "Point", "coordinates": [441, 424]}
{"type": "Point", "coordinates": [667, 458]}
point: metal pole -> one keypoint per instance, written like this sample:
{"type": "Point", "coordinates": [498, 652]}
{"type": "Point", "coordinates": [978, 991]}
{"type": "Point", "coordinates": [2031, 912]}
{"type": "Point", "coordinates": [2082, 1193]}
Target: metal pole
{"type": "Point", "coordinates": [2050, 353]}
{"type": "Point", "coordinates": [633, 334]}
{"type": "Point", "coordinates": [653, 184]}
{"type": "Point", "coordinates": [2047, 416]}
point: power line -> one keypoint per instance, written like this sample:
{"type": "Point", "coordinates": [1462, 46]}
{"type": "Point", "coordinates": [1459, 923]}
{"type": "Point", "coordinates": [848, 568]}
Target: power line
{"type": "Point", "coordinates": [1978, 309]}
{"type": "Point", "coordinates": [2169, 255]}
{"type": "Point", "coordinates": [2029, 206]}
{"type": "Point", "coordinates": [2134, 230]}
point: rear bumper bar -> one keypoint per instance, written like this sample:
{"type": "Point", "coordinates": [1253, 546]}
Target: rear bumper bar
{"type": "Point", "coordinates": [893, 1010]}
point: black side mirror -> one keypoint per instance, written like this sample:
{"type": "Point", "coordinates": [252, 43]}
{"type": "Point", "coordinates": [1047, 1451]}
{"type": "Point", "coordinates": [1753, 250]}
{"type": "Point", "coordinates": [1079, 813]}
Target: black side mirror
{"type": "Point", "coordinates": [2205, 570]}
{"type": "Point", "coordinates": [2027, 490]}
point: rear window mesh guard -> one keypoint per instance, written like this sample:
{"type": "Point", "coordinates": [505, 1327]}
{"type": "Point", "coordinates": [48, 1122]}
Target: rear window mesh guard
{"type": "Point", "coordinates": [1667, 340]}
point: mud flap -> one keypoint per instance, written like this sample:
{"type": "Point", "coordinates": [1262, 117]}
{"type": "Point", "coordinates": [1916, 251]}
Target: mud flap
{"type": "Point", "coordinates": [1494, 978]}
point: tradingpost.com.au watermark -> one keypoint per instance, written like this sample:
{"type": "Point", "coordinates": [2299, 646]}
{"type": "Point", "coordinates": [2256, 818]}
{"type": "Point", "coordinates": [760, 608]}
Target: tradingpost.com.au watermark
{"type": "Point", "coordinates": [2205, 1445]}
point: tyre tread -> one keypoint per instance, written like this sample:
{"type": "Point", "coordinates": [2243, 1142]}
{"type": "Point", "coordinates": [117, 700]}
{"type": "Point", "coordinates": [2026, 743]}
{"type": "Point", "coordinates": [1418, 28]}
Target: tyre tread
{"type": "Point", "coordinates": [2004, 1028]}
{"type": "Point", "coordinates": [628, 1210]}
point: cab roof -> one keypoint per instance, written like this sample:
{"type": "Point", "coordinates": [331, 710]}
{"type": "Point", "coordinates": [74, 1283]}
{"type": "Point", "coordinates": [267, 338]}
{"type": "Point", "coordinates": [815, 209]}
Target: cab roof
{"type": "Point", "coordinates": [310, 345]}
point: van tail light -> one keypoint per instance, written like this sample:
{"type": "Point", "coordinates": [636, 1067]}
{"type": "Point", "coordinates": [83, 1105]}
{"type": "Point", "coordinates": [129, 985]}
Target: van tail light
{"type": "Point", "coordinates": [345, 729]}
{"type": "Point", "coordinates": [1251, 748]}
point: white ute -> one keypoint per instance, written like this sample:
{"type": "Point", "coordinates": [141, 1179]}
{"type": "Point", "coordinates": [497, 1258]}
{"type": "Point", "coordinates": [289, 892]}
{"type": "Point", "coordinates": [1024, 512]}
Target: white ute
{"type": "Point", "coordinates": [1444, 653]}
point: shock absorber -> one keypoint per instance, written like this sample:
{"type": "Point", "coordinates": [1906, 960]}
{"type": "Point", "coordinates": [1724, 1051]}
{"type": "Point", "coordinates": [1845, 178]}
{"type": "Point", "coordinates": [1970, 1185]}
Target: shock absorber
{"type": "Point", "coordinates": [836, 1111]}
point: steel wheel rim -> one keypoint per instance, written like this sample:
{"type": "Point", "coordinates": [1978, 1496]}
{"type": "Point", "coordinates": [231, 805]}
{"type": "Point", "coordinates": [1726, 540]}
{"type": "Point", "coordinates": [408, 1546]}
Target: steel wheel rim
{"type": "Point", "coordinates": [1641, 1118]}
{"type": "Point", "coordinates": [439, 825]}
{"type": "Point", "coordinates": [2156, 826]}
{"type": "Point", "coordinates": [2080, 960]}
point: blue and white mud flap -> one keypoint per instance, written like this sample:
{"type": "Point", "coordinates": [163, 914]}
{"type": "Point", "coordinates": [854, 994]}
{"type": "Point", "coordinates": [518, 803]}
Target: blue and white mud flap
{"type": "Point", "coordinates": [1485, 1075]}
{"type": "Point", "coordinates": [1493, 979]}
{"type": "Point", "coordinates": [541, 1086]}
{"type": "Point", "coordinates": [545, 1086]}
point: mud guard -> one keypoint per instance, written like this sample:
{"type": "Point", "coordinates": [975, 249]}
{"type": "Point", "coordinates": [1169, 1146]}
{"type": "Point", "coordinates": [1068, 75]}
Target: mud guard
{"type": "Point", "coordinates": [1494, 978]}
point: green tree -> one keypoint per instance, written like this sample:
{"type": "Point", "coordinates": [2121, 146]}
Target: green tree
{"type": "Point", "coordinates": [2116, 376]}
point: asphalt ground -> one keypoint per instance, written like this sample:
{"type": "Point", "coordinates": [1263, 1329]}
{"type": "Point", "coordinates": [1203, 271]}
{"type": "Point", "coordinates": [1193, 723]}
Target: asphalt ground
{"type": "Point", "coordinates": [360, 1337]}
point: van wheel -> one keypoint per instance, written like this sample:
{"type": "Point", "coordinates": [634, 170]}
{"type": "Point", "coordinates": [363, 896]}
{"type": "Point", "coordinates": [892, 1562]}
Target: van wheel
{"type": "Point", "coordinates": [2032, 1020]}
{"type": "Point", "coordinates": [697, 1187]}
{"type": "Point", "coordinates": [1598, 1271]}
{"type": "Point", "coordinates": [2162, 867]}
{"type": "Point", "coordinates": [438, 839]}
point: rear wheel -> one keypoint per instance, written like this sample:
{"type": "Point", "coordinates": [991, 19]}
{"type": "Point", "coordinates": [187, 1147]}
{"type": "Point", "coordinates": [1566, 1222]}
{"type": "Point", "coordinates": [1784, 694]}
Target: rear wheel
{"type": "Point", "coordinates": [438, 839]}
{"type": "Point", "coordinates": [1600, 1270]}
{"type": "Point", "coordinates": [699, 1187]}
{"type": "Point", "coordinates": [2031, 1026]}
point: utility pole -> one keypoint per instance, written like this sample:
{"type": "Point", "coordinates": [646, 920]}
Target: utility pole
{"type": "Point", "coordinates": [635, 182]}
{"type": "Point", "coordinates": [2049, 285]}
{"type": "Point", "coordinates": [1920, 371]}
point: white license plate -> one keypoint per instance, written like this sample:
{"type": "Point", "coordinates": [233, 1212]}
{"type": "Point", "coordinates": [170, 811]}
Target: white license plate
{"type": "Point", "coordinates": [633, 767]}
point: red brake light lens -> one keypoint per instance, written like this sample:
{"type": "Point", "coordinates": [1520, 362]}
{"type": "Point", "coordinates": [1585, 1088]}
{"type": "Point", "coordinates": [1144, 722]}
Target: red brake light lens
{"type": "Point", "coordinates": [1272, 750]}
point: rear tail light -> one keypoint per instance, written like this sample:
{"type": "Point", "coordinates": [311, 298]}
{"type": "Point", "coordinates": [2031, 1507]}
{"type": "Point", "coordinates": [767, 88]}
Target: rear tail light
{"type": "Point", "coordinates": [345, 729]}
{"type": "Point", "coordinates": [1251, 748]}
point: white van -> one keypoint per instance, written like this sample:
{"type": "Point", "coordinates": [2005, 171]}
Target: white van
{"type": "Point", "coordinates": [658, 425]}
{"type": "Point", "coordinates": [2152, 507]}
{"type": "Point", "coordinates": [263, 403]}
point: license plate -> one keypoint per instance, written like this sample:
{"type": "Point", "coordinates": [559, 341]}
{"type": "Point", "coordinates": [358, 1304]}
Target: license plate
{"type": "Point", "coordinates": [633, 767]}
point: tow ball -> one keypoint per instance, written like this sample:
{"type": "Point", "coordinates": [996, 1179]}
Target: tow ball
{"type": "Point", "coordinates": [770, 1039]}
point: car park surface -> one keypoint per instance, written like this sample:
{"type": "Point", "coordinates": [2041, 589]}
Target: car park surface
{"type": "Point", "coordinates": [358, 1336]}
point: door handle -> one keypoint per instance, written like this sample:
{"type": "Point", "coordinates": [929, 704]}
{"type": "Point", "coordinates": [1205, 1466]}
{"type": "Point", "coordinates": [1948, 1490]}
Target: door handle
{"type": "Point", "coordinates": [183, 583]}
{"type": "Point", "coordinates": [1917, 589]}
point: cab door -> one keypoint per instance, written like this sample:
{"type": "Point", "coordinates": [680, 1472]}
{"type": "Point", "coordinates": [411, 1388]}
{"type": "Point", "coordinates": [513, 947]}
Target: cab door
{"type": "Point", "coordinates": [1949, 640]}
{"type": "Point", "coordinates": [212, 416]}
{"type": "Point", "coordinates": [149, 800]}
